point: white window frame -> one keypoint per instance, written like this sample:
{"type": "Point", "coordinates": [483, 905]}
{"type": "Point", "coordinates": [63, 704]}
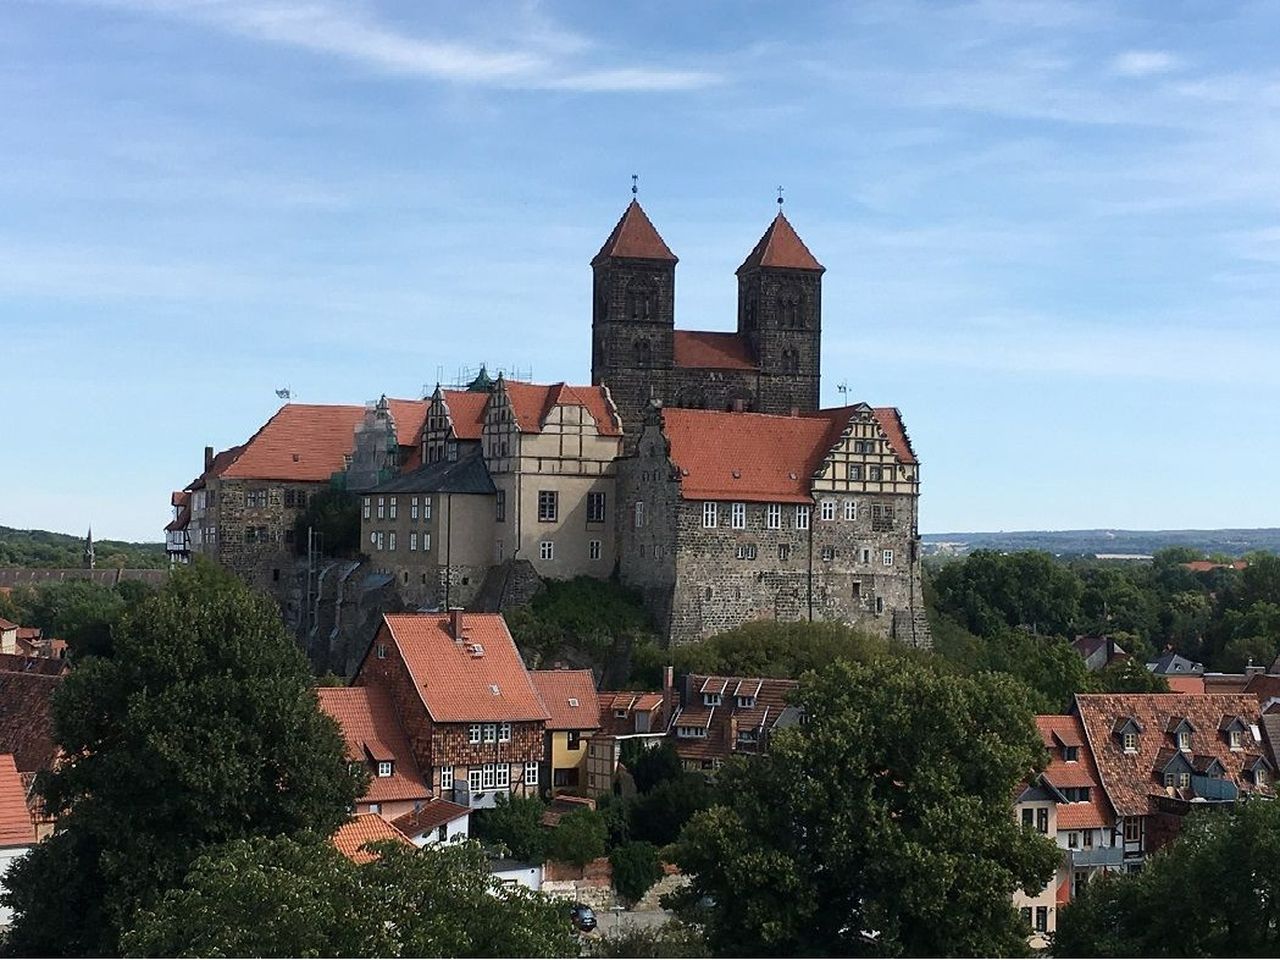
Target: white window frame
{"type": "Point", "coordinates": [391, 508]}
{"type": "Point", "coordinates": [382, 508]}
{"type": "Point", "coordinates": [502, 776]}
{"type": "Point", "coordinates": [639, 514]}
{"type": "Point", "coordinates": [547, 550]}
{"type": "Point", "coordinates": [381, 540]}
{"type": "Point", "coordinates": [710, 514]}
{"type": "Point", "coordinates": [413, 508]}
{"type": "Point", "coordinates": [474, 782]}
{"type": "Point", "coordinates": [593, 549]}
{"type": "Point", "coordinates": [446, 778]}
{"type": "Point", "coordinates": [367, 506]}
{"type": "Point", "coordinates": [802, 516]}
{"type": "Point", "coordinates": [773, 516]}
{"type": "Point", "coordinates": [473, 733]}
{"type": "Point", "coordinates": [504, 732]}
{"type": "Point", "coordinates": [384, 768]}
{"type": "Point", "coordinates": [426, 540]}
{"type": "Point", "coordinates": [490, 733]}
{"type": "Point", "coordinates": [1130, 742]}
{"type": "Point", "coordinates": [391, 540]}
{"type": "Point", "coordinates": [548, 506]}
{"type": "Point", "coordinates": [886, 557]}
{"type": "Point", "coordinates": [738, 516]}
{"type": "Point", "coordinates": [828, 510]}
{"type": "Point", "coordinates": [413, 540]}
{"type": "Point", "coordinates": [489, 776]}
{"type": "Point", "coordinates": [531, 773]}
{"type": "Point", "coordinates": [851, 509]}
{"type": "Point", "coordinates": [426, 508]}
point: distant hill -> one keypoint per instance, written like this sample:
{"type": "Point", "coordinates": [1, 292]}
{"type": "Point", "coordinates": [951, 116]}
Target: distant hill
{"type": "Point", "coordinates": [1090, 542]}
{"type": "Point", "coordinates": [42, 548]}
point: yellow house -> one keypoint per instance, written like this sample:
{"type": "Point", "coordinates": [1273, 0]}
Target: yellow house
{"type": "Point", "coordinates": [570, 699]}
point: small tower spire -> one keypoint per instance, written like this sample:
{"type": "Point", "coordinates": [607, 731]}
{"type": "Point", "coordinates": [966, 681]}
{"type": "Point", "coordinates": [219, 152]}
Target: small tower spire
{"type": "Point", "coordinates": [635, 184]}
{"type": "Point", "coordinates": [89, 560]}
{"type": "Point", "coordinates": [779, 198]}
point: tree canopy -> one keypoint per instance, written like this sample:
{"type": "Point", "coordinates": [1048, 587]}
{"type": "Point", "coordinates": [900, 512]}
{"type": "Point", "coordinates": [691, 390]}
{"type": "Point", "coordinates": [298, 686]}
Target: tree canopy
{"type": "Point", "coordinates": [880, 826]}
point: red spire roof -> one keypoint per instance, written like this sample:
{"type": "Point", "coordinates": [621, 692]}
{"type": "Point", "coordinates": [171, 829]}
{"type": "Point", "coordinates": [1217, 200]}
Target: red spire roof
{"type": "Point", "coordinates": [781, 246]}
{"type": "Point", "coordinates": [635, 238]}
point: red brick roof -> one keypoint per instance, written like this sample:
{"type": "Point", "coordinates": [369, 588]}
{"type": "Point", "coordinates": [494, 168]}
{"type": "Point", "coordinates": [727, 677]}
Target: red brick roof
{"type": "Point", "coordinates": [466, 411]}
{"type": "Point", "coordinates": [1131, 779]}
{"type": "Point", "coordinates": [1059, 731]}
{"type": "Point", "coordinates": [458, 679]}
{"type": "Point", "coordinates": [717, 351]}
{"type": "Point", "coordinates": [532, 402]}
{"type": "Point", "coordinates": [181, 521]}
{"type": "Point", "coordinates": [435, 813]}
{"type": "Point", "coordinates": [16, 828]}
{"type": "Point", "coordinates": [1186, 684]}
{"type": "Point", "coordinates": [364, 828]}
{"type": "Point", "coordinates": [635, 238]}
{"type": "Point", "coordinates": [570, 698]}
{"type": "Point", "coordinates": [26, 718]}
{"type": "Point", "coordinates": [309, 441]}
{"type": "Point", "coordinates": [372, 733]}
{"type": "Point", "coordinates": [781, 246]}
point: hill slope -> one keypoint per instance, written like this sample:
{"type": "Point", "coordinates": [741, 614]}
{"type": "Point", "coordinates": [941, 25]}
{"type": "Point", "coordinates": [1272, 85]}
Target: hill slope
{"type": "Point", "coordinates": [42, 548]}
{"type": "Point", "coordinates": [1233, 543]}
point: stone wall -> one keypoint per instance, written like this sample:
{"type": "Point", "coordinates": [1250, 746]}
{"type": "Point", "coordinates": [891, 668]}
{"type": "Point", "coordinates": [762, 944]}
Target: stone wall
{"type": "Point", "coordinates": [255, 527]}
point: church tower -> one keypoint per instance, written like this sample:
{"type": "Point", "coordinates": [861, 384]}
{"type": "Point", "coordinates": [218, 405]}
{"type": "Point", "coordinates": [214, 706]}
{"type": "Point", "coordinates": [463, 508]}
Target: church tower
{"type": "Point", "coordinates": [90, 559]}
{"type": "Point", "coordinates": [633, 316]}
{"type": "Point", "coordinates": [780, 315]}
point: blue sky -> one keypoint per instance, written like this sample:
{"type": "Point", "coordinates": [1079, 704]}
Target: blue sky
{"type": "Point", "coordinates": [1051, 230]}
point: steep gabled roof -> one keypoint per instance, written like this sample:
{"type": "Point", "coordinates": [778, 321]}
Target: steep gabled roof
{"type": "Point", "coordinates": [531, 403]}
{"type": "Point", "coordinates": [16, 828]}
{"type": "Point", "coordinates": [435, 813]}
{"type": "Point", "coordinates": [362, 829]}
{"type": "Point", "coordinates": [781, 247]}
{"type": "Point", "coordinates": [570, 698]}
{"type": "Point", "coordinates": [712, 351]}
{"type": "Point", "coordinates": [890, 421]}
{"type": "Point", "coordinates": [466, 412]}
{"type": "Point", "coordinates": [635, 238]}
{"type": "Point", "coordinates": [480, 678]}
{"type": "Point", "coordinates": [370, 728]}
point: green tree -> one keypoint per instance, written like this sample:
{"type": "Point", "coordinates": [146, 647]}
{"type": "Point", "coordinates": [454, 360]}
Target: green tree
{"type": "Point", "coordinates": [579, 838]}
{"type": "Point", "coordinates": [659, 815]}
{"type": "Point", "coordinates": [1241, 652]}
{"type": "Point", "coordinates": [636, 868]}
{"type": "Point", "coordinates": [650, 765]}
{"type": "Point", "coordinates": [285, 897]}
{"type": "Point", "coordinates": [672, 939]}
{"type": "Point", "coordinates": [1028, 589]}
{"type": "Point", "coordinates": [882, 825]}
{"type": "Point", "coordinates": [516, 824]}
{"type": "Point", "coordinates": [334, 515]}
{"type": "Point", "coordinates": [80, 612]}
{"type": "Point", "coordinates": [771, 648]}
{"type": "Point", "coordinates": [1128, 676]}
{"type": "Point", "coordinates": [203, 728]}
{"type": "Point", "coordinates": [1214, 892]}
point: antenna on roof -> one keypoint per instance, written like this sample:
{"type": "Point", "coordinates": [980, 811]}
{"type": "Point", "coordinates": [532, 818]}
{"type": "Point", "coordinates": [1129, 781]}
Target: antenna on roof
{"type": "Point", "coordinates": [635, 184]}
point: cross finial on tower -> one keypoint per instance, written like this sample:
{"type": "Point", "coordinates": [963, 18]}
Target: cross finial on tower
{"type": "Point", "coordinates": [635, 181]}
{"type": "Point", "coordinates": [779, 198]}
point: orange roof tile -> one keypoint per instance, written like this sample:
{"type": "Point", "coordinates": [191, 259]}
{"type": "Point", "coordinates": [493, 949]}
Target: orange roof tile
{"type": "Point", "coordinates": [479, 679]}
{"type": "Point", "coordinates": [570, 698]}
{"type": "Point", "coordinates": [435, 813]}
{"type": "Point", "coordinates": [890, 421]}
{"type": "Point", "coordinates": [532, 402]}
{"type": "Point", "coordinates": [1056, 731]}
{"type": "Point", "coordinates": [16, 828]}
{"type": "Point", "coordinates": [309, 441]}
{"type": "Point", "coordinates": [364, 828]}
{"type": "Point", "coordinates": [635, 238]}
{"type": "Point", "coordinates": [1186, 684]}
{"type": "Point", "coordinates": [717, 351]}
{"type": "Point", "coordinates": [782, 247]}
{"type": "Point", "coordinates": [371, 730]}
{"type": "Point", "coordinates": [466, 411]}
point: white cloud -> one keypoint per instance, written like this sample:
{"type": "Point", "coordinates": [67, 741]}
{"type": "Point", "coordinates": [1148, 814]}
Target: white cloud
{"type": "Point", "coordinates": [1144, 63]}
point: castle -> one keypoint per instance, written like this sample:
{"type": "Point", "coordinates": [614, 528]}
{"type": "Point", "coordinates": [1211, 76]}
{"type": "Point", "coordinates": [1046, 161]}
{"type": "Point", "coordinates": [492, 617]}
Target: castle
{"type": "Point", "coordinates": [697, 467]}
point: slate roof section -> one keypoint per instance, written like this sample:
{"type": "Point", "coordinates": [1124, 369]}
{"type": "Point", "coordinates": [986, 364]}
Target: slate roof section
{"type": "Point", "coordinates": [372, 732]}
{"type": "Point", "coordinates": [16, 828]}
{"type": "Point", "coordinates": [352, 837]}
{"type": "Point", "coordinates": [1174, 665]}
{"type": "Point", "coordinates": [457, 684]}
{"type": "Point", "coordinates": [570, 698]}
{"type": "Point", "coordinates": [466, 475]}
{"type": "Point", "coordinates": [1129, 778]}
{"type": "Point", "coordinates": [531, 403]}
{"type": "Point", "coordinates": [26, 719]}
{"type": "Point", "coordinates": [781, 247]}
{"type": "Point", "coordinates": [713, 351]}
{"type": "Point", "coordinates": [634, 238]}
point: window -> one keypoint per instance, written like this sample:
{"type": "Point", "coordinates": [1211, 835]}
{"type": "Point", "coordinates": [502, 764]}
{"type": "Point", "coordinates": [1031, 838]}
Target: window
{"type": "Point", "coordinates": [745, 551]}
{"type": "Point", "coordinates": [489, 775]}
{"type": "Point", "coordinates": [1070, 754]}
{"type": "Point", "coordinates": [1042, 819]}
{"type": "Point", "coordinates": [773, 516]}
{"type": "Point", "coordinates": [413, 508]}
{"type": "Point", "coordinates": [1073, 840]}
{"type": "Point", "coordinates": [691, 732]}
{"type": "Point", "coordinates": [490, 732]}
{"type": "Point", "coordinates": [1184, 780]}
{"type": "Point", "coordinates": [851, 509]}
{"type": "Point", "coordinates": [255, 498]}
{"type": "Point", "coordinates": [1233, 738]}
{"type": "Point", "coordinates": [546, 550]}
{"type": "Point", "coordinates": [639, 514]}
{"type": "Point", "coordinates": [548, 506]}
{"type": "Point", "coordinates": [502, 779]}
{"type": "Point", "coordinates": [504, 733]}
{"type": "Point", "coordinates": [413, 540]}
{"type": "Point", "coordinates": [391, 508]}
{"type": "Point", "coordinates": [500, 506]}
{"type": "Point", "coordinates": [595, 507]}
{"type": "Point", "coordinates": [391, 540]}
{"type": "Point", "coordinates": [473, 780]}
{"type": "Point", "coordinates": [738, 516]}
{"type": "Point", "coordinates": [1184, 741]}
{"type": "Point", "coordinates": [451, 451]}
{"type": "Point", "coordinates": [382, 651]}
{"type": "Point", "coordinates": [1130, 742]}
{"type": "Point", "coordinates": [710, 513]}
{"type": "Point", "coordinates": [384, 768]}
{"type": "Point", "coordinates": [1042, 919]}
{"type": "Point", "coordinates": [446, 778]}
{"type": "Point", "coordinates": [1088, 839]}
{"type": "Point", "coordinates": [1132, 829]}
{"type": "Point", "coordinates": [828, 553]}
{"type": "Point", "coordinates": [887, 558]}
{"type": "Point", "coordinates": [473, 733]}
{"type": "Point", "coordinates": [426, 508]}
{"type": "Point", "coordinates": [1028, 817]}
{"type": "Point", "coordinates": [426, 541]}
{"type": "Point", "coordinates": [366, 508]}
{"type": "Point", "coordinates": [879, 604]}
{"type": "Point", "coordinates": [375, 808]}
{"type": "Point", "coordinates": [1260, 776]}
{"type": "Point", "coordinates": [1026, 916]}
{"type": "Point", "coordinates": [573, 740]}
{"type": "Point", "coordinates": [531, 774]}
{"type": "Point", "coordinates": [828, 509]}
{"type": "Point", "coordinates": [593, 549]}
{"type": "Point", "coordinates": [746, 703]}
{"type": "Point", "coordinates": [802, 518]}
{"type": "Point", "coordinates": [855, 472]}
{"type": "Point", "coordinates": [784, 551]}
{"type": "Point", "coordinates": [381, 540]}
{"type": "Point", "coordinates": [382, 508]}
{"type": "Point", "coordinates": [442, 832]}
{"type": "Point", "coordinates": [711, 699]}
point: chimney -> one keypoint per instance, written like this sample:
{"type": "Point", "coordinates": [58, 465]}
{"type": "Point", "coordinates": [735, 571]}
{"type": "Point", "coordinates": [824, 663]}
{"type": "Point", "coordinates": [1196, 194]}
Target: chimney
{"type": "Point", "coordinates": [668, 692]}
{"type": "Point", "coordinates": [455, 623]}
{"type": "Point", "coordinates": [795, 411]}
{"type": "Point", "coordinates": [739, 406]}
{"type": "Point", "coordinates": [1252, 670]}
{"type": "Point", "coordinates": [208, 457]}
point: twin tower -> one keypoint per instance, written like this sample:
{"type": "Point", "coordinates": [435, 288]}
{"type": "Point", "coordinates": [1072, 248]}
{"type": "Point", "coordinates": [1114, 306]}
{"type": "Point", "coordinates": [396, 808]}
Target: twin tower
{"type": "Point", "coordinates": [772, 364]}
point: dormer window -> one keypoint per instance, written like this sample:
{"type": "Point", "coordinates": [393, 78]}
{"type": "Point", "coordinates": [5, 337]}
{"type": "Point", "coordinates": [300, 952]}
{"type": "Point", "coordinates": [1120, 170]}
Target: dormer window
{"type": "Point", "coordinates": [1260, 776]}
{"type": "Point", "coordinates": [1127, 730]}
{"type": "Point", "coordinates": [748, 736]}
{"type": "Point", "coordinates": [689, 733]}
{"type": "Point", "coordinates": [1235, 740]}
{"type": "Point", "coordinates": [746, 703]}
{"type": "Point", "coordinates": [620, 714]}
{"type": "Point", "coordinates": [1184, 741]}
{"type": "Point", "coordinates": [1130, 741]}
{"type": "Point", "coordinates": [384, 768]}
{"type": "Point", "coordinates": [711, 699]}
{"type": "Point", "coordinates": [1070, 754]}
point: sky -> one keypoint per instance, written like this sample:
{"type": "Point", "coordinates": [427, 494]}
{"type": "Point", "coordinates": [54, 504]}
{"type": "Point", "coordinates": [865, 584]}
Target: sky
{"type": "Point", "coordinates": [1051, 229]}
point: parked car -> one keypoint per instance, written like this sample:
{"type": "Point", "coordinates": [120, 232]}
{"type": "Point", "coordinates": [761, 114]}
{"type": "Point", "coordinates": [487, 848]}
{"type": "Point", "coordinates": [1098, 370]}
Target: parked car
{"type": "Point", "coordinates": [583, 917]}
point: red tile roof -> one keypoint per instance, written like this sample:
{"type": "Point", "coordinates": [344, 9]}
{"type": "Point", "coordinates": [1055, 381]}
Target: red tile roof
{"type": "Point", "coordinates": [16, 828]}
{"type": "Point", "coordinates": [481, 678]}
{"type": "Point", "coordinates": [726, 721]}
{"type": "Point", "coordinates": [372, 732]}
{"type": "Point", "coordinates": [26, 718]}
{"type": "Point", "coordinates": [890, 421]}
{"type": "Point", "coordinates": [180, 498]}
{"type": "Point", "coordinates": [532, 402]}
{"type": "Point", "coordinates": [1264, 686]}
{"type": "Point", "coordinates": [716, 351]}
{"type": "Point", "coordinates": [181, 521]}
{"type": "Point", "coordinates": [1204, 566]}
{"type": "Point", "coordinates": [1186, 684]}
{"type": "Point", "coordinates": [362, 829]}
{"type": "Point", "coordinates": [7, 624]}
{"type": "Point", "coordinates": [1131, 779]}
{"type": "Point", "coordinates": [220, 463]}
{"type": "Point", "coordinates": [466, 411]}
{"type": "Point", "coordinates": [1058, 731]}
{"type": "Point", "coordinates": [23, 663]}
{"type": "Point", "coordinates": [435, 813]}
{"type": "Point", "coordinates": [781, 246]}
{"type": "Point", "coordinates": [309, 441]}
{"type": "Point", "coordinates": [631, 702]}
{"type": "Point", "coordinates": [635, 238]}
{"type": "Point", "coordinates": [570, 698]}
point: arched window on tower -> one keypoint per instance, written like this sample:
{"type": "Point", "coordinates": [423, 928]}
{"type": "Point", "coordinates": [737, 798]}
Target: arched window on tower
{"type": "Point", "coordinates": [789, 314]}
{"type": "Point", "coordinates": [640, 302]}
{"type": "Point", "coordinates": [790, 361]}
{"type": "Point", "coordinates": [644, 353]}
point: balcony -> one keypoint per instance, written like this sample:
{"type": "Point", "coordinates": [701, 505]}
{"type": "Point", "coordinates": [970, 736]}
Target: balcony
{"type": "Point", "coordinates": [1083, 858]}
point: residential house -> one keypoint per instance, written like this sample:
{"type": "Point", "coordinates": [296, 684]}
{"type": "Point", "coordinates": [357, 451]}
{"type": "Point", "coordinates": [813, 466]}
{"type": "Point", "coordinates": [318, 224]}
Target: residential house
{"type": "Point", "coordinates": [17, 833]}
{"type": "Point", "coordinates": [626, 716]}
{"type": "Point", "coordinates": [574, 716]}
{"type": "Point", "coordinates": [8, 636]}
{"type": "Point", "coordinates": [1171, 664]}
{"type": "Point", "coordinates": [437, 821]}
{"type": "Point", "coordinates": [26, 729]}
{"type": "Point", "coordinates": [475, 723]}
{"type": "Point", "coordinates": [177, 535]}
{"type": "Point", "coordinates": [355, 836]}
{"type": "Point", "coordinates": [377, 744]}
{"type": "Point", "coordinates": [1098, 652]}
{"type": "Point", "coordinates": [720, 717]}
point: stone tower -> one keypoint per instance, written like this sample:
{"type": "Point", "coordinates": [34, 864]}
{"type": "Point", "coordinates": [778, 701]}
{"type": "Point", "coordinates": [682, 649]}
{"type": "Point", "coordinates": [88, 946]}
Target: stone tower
{"type": "Point", "coordinates": [780, 315]}
{"type": "Point", "coordinates": [633, 315]}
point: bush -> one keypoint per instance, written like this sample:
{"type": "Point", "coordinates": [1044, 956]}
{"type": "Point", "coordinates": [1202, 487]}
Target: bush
{"type": "Point", "coordinates": [658, 815]}
{"type": "Point", "coordinates": [579, 838]}
{"type": "Point", "coordinates": [516, 824]}
{"type": "Point", "coordinates": [651, 765]}
{"type": "Point", "coordinates": [635, 869]}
